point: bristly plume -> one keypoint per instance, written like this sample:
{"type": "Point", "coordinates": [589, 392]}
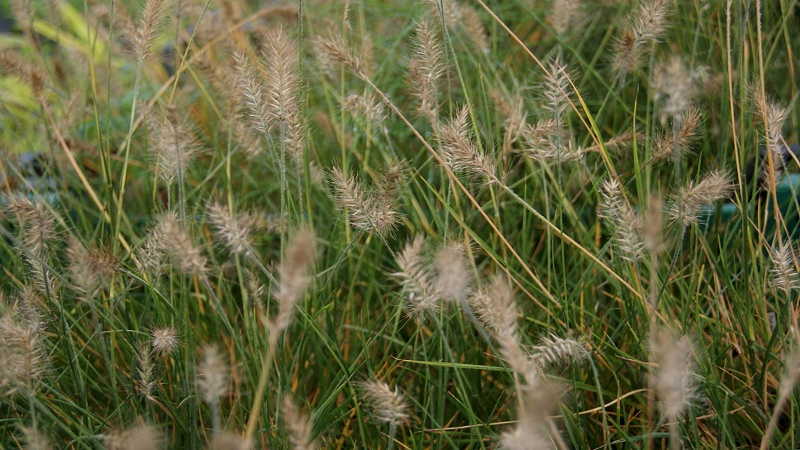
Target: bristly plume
{"type": "Point", "coordinates": [773, 116]}
{"type": "Point", "coordinates": [235, 231]}
{"type": "Point", "coordinates": [554, 351]}
{"type": "Point", "coordinates": [626, 222]}
{"type": "Point", "coordinates": [512, 109]}
{"type": "Point", "coordinates": [38, 229]}
{"type": "Point", "coordinates": [23, 357]}
{"type": "Point", "coordinates": [496, 308]}
{"type": "Point", "coordinates": [147, 28]}
{"type": "Point", "coordinates": [674, 379]}
{"type": "Point", "coordinates": [173, 144]}
{"type": "Point", "coordinates": [283, 91]}
{"type": "Point", "coordinates": [534, 430]}
{"type": "Point", "coordinates": [557, 95]}
{"type": "Point", "coordinates": [473, 27]}
{"type": "Point", "coordinates": [145, 384]}
{"type": "Point", "coordinates": [89, 268]}
{"type": "Point", "coordinates": [251, 92]}
{"type": "Point", "coordinates": [647, 26]}
{"type": "Point", "coordinates": [164, 340]}
{"type": "Point", "coordinates": [333, 51]}
{"type": "Point", "coordinates": [687, 205]}
{"type": "Point", "coordinates": [295, 273]}
{"type": "Point", "coordinates": [783, 273]}
{"type": "Point", "coordinates": [453, 280]}
{"type": "Point", "coordinates": [169, 238]}
{"type": "Point", "coordinates": [368, 107]}
{"type": "Point", "coordinates": [426, 69]}
{"type": "Point", "coordinates": [566, 15]}
{"type": "Point", "coordinates": [678, 142]}
{"type": "Point", "coordinates": [674, 87]}
{"type": "Point", "coordinates": [137, 437]}
{"type": "Point", "coordinates": [213, 377]}
{"type": "Point", "coordinates": [369, 211]}
{"type": "Point", "coordinates": [460, 17]}
{"type": "Point", "coordinates": [460, 152]}
{"type": "Point", "coordinates": [416, 278]}
{"type": "Point", "coordinates": [386, 404]}
{"type": "Point", "coordinates": [299, 426]}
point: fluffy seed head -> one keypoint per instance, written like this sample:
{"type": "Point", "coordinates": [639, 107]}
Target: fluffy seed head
{"type": "Point", "coordinates": [553, 350]}
{"type": "Point", "coordinates": [295, 273]}
{"type": "Point", "coordinates": [674, 87]}
{"type": "Point", "coordinates": [299, 426]}
{"type": "Point", "coordinates": [452, 279]}
{"type": "Point", "coordinates": [539, 399]}
{"type": "Point", "coordinates": [678, 142]}
{"type": "Point", "coordinates": [566, 14]}
{"type": "Point", "coordinates": [234, 231]}
{"type": "Point", "coordinates": [688, 203]}
{"type": "Point", "coordinates": [333, 51]}
{"type": "Point", "coordinates": [367, 106]}
{"type": "Point", "coordinates": [169, 238]}
{"type": "Point", "coordinates": [138, 437]}
{"type": "Point", "coordinates": [145, 384]}
{"type": "Point", "coordinates": [674, 380]}
{"type": "Point", "coordinates": [212, 376]}
{"type": "Point", "coordinates": [368, 211]}
{"type": "Point", "coordinates": [251, 93]}
{"type": "Point", "coordinates": [164, 340]}
{"type": "Point", "coordinates": [416, 279]}
{"type": "Point", "coordinates": [173, 145]}
{"type": "Point", "coordinates": [23, 357]}
{"type": "Point", "coordinates": [647, 25]}
{"type": "Point", "coordinates": [145, 33]}
{"type": "Point", "coordinates": [38, 233]}
{"type": "Point", "coordinates": [627, 224]}
{"type": "Point", "coordinates": [386, 404]}
{"type": "Point", "coordinates": [426, 69]}
{"type": "Point", "coordinates": [784, 276]}
{"type": "Point", "coordinates": [89, 268]}
{"type": "Point", "coordinates": [460, 152]}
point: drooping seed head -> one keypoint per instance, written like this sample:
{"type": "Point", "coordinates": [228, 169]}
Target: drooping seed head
{"type": "Point", "coordinates": [386, 404]}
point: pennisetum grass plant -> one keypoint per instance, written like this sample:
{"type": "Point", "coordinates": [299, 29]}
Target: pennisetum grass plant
{"type": "Point", "coordinates": [482, 176]}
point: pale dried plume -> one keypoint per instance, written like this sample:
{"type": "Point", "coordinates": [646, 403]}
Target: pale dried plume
{"type": "Point", "coordinates": [554, 351]}
{"type": "Point", "coordinates": [460, 152]}
{"type": "Point", "coordinates": [783, 273]}
{"type": "Point", "coordinates": [566, 14]}
{"type": "Point", "coordinates": [251, 92]}
{"type": "Point", "coordinates": [295, 273]}
{"type": "Point", "coordinates": [137, 437]}
{"type": "Point", "coordinates": [426, 69]}
{"type": "Point", "coordinates": [626, 223]}
{"type": "Point", "coordinates": [148, 27]}
{"type": "Point", "coordinates": [368, 211]}
{"type": "Point", "coordinates": [38, 234]}
{"type": "Point", "coordinates": [416, 278]}
{"type": "Point", "coordinates": [299, 426]}
{"type": "Point", "coordinates": [646, 27]}
{"type": "Point", "coordinates": [234, 230]}
{"type": "Point", "coordinates": [688, 203]}
{"type": "Point", "coordinates": [386, 404]}
{"type": "Point", "coordinates": [678, 142]}
{"type": "Point", "coordinates": [674, 379]}
{"type": "Point", "coordinates": [452, 279]}
{"type": "Point", "coordinates": [170, 239]}
{"type": "Point", "coordinates": [145, 384]}
{"type": "Point", "coordinates": [89, 268]}
{"type": "Point", "coordinates": [213, 379]}
{"type": "Point", "coordinates": [173, 145]}
{"type": "Point", "coordinates": [164, 340]}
